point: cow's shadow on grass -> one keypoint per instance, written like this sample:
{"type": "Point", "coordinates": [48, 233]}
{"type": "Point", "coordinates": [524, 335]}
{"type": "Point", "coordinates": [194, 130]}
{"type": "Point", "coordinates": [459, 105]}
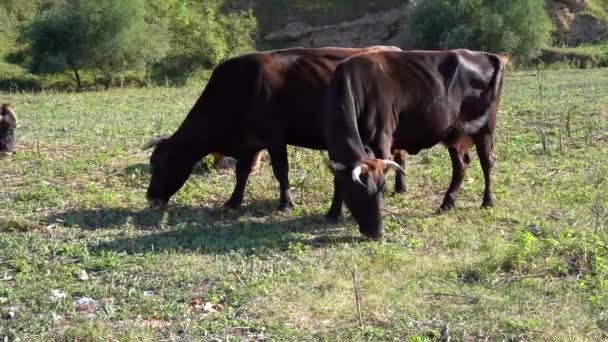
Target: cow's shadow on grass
{"type": "Point", "coordinates": [198, 169]}
{"type": "Point", "coordinates": [254, 229]}
{"type": "Point", "coordinates": [236, 235]}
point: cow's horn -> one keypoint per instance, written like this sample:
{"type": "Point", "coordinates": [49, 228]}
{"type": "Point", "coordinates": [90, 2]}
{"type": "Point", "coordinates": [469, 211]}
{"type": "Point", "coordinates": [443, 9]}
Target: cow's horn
{"type": "Point", "coordinates": [392, 165]}
{"type": "Point", "coordinates": [357, 175]}
{"type": "Point", "coordinates": [153, 142]}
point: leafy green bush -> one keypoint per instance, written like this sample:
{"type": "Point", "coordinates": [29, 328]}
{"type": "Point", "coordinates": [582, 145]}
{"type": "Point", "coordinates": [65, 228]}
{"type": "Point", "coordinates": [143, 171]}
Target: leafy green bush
{"type": "Point", "coordinates": [520, 27]}
{"type": "Point", "coordinates": [202, 35]}
{"type": "Point", "coordinates": [106, 35]}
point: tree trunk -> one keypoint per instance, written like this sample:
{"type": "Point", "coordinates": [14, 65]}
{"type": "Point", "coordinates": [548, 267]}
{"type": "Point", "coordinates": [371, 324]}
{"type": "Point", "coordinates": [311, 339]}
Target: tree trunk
{"type": "Point", "coordinates": [77, 79]}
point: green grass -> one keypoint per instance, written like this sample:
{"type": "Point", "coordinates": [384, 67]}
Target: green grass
{"type": "Point", "coordinates": [532, 268]}
{"type": "Point", "coordinates": [583, 56]}
{"type": "Point", "coordinates": [598, 9]}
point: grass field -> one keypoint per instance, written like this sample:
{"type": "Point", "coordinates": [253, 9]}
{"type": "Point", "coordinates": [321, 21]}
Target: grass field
{"type": "Point", "coordinates": [74, 224]}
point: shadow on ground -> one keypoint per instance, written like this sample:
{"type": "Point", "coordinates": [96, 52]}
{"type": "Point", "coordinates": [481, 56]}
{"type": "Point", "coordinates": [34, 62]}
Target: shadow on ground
{"type": "Point", "coordinates": [254, 229]}
{"type": "Point", "coordinates": [234, 235]}
{"type": "Point", "coordinates": [198, 169]}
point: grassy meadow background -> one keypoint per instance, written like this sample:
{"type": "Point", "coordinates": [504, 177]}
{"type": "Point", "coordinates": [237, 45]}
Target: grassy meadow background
{"type": "Point", "coordinates": [74, 223]}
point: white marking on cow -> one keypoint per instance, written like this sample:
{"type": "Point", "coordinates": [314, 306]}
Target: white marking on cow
{"type": "Point", "coordinates": [337, 166]}
{"type": "Point", "coordinates": [475, 68]}
{"type": "Point", "coordinates": [470, 65]}
{"type": "Point", "coordinates": [473, 126]}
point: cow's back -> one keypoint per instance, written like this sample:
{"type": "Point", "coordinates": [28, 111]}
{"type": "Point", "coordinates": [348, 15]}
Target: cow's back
{"type": "Point", "coordinates": [295, 82]}
{"type": "Point", "coordinates": [420, 97]}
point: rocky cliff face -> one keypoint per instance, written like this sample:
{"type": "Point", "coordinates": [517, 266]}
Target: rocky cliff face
{"type": "Point", "coordinates": [380, 28]}
{"type": "Point", "coordinates": [574, 24]}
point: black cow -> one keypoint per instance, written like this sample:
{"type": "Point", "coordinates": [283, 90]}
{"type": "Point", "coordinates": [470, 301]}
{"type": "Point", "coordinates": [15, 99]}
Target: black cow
{"type": "Point", "coordinates": [8, 124]}
{"type": "Point", "coordinates": [409, 100]}
{"type": "Point", "coordinates": [257, 101]}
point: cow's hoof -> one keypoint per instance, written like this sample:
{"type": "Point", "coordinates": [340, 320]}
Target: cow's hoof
{"type": "Point", "coordinates": [234, 205]}
{"type": "Point", "coordinates": [445, 208]}
{"type": "Point", "coordinates": [487, 205]}
{"type": "Point", "coordinates": [285, 208]}
{"type": "Point", "coordinates": [332, 218]}
{"type": "Point", "coordinates": [400, 189]}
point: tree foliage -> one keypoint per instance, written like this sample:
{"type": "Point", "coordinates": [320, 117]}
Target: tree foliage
{"type": "Point", "coordinates": [104, 35]}
{"type": "Point", "coordinates": [202, 34]}
{"type": "Point", "coordinates": [520, 27]}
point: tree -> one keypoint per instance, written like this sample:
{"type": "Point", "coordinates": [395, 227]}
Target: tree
{"type": "Point", "coordinates": [520, 27]}
{"type": "Point", "coordinates": [104, 35]}
{"type": "Point", "coordinates": [202, 34]}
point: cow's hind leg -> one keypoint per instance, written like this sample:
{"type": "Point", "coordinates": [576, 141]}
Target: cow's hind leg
{"type": "Point", "coordinates": [484, 145]}
{"type": "Point", "coordinates": [460, 161]}
{"type": "Point", "coordinates": [257, 162]}
{"type": "Point", "coordinates": [280, 167]}
{"type": "Point", "coordinates": [243, 169]}
{"type": "Point", "coordinates": [399, 158]}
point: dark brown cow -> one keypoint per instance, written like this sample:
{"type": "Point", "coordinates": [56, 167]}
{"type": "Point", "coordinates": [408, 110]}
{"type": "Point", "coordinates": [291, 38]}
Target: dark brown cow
{"type": "Point", "coordinates": [409, 100]}
{"type": "Point", "coordinates": [252, 102]}
{"type": "Point", "coordinates": [8, 124]}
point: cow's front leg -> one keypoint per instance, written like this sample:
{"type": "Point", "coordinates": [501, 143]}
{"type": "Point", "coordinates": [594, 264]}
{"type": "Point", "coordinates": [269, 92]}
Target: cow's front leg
{"type": "Point", "coordinates": [335, 210]}
{"type": "Point", "coordinates": [280, 167]}
{"type": "Point", "coordinates": [399, 158]}
{"type": "Point", "coordinates": [484, 145]}
{"type": "Point", "coordinates": [460, 162]}
{"type": "Point", "coordinates": [243, 169]}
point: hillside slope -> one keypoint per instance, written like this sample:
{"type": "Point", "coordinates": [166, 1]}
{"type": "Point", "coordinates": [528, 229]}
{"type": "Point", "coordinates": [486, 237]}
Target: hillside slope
{"type": "Point", "coordinates": [358, 22]}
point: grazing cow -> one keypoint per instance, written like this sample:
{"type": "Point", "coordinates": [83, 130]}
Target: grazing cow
{"type": "Point", "coordinates": [8, 124]}
{"type": "Point", "coordinates": [257, 101]}
{"type": "Point", "coordinates": [412, 101]}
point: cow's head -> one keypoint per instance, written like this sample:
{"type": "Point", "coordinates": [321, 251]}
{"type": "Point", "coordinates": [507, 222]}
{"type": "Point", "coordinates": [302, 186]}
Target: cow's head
{"type": "Point", "coordinates": [169, 170]}
{"type": "Point", "coordinates": [362, 188]}
{"type": "Point", "coordinates": [8, 124]}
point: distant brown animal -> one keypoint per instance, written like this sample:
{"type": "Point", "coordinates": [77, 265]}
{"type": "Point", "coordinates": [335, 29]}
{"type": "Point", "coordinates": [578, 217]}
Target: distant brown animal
{"type": "Point", "coordinates": [504, 57]}
{"type": "Point", "coordinates": [8, 124]}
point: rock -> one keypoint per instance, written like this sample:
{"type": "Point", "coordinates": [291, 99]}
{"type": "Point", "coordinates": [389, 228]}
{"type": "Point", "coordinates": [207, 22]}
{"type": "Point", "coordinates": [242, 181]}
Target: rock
{"type": "Point", "coordinates": [378, 28]}
{"type": "Point", "coordinates": [83, 275]}
{"type": "Point", "coordinates": [87, 305]}
{"type": "Point", "coordinates": [586, 29]}
{"type": "Point", "coordinates": [209, 307]}
{"type": "Point", "coordinates": [534, 230]}
{"type": "Point", "coordinates": [573, 25]}
{"type": "Point", "coordinates": [58, 294]}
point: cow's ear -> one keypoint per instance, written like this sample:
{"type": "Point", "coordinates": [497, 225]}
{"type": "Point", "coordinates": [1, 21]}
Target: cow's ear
{"type": "Point", "coordinates": [152, 143]}
{"type": "Point", "coordinates": [335, 166]}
